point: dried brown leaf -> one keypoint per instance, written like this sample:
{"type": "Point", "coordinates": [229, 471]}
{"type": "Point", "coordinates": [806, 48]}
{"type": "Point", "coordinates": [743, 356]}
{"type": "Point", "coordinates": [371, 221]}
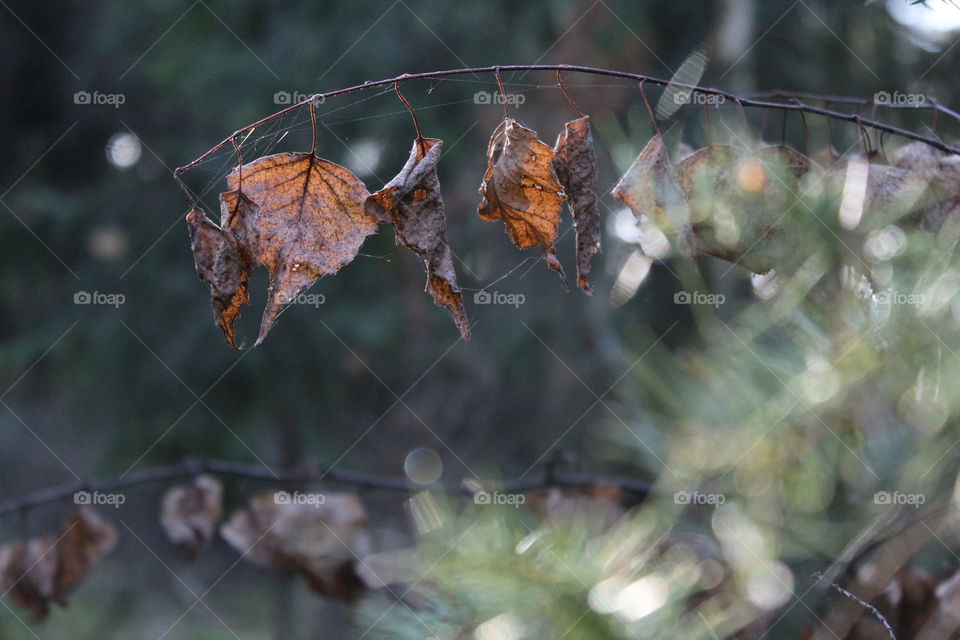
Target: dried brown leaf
{"type": "Point", "coordinates": [221, 263]}
{"type": "Point", "coordinates": [190, 513]}
{"type": "Point", "coordinates": [649, 187]}
{"type": "Point", "coordinates": [28, 573]}
{"type": "Point", "coordinates": [942, 171]}
{"type": "Point", "coordinates": [743, 204]}
{"type": "Point", "coordinates": [308, 222]}
{"type": "Point", "coordinates": [86, 538]}
{"type": "Point", "coordinates": [575, 164]}
{"type": "Point", "coordinates": [871, 195]}
{"type": "Point", "coordinates": [521, 189]}
{"type": "Point", "coordinates": [319, 539]}
{"type": "Point", "coordinates": [411, 202]}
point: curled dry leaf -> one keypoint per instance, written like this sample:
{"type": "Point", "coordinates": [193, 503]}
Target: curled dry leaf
{"type": "Point", "coordinates": [28, 573]}
{"type": "Point", "coordinates": [411, 202]}
{"type": "Point", "coordinates": [39, 570]}
{"type": "Point", "coordinates": [319, 539]}
{"type": "Point", "coordinates": [190, 513]}
{"type": "Point", "coordinates": [649, 187]}
{"type": "Point", "coordinates": [86, 538]}
{"type": "Point", "coordinates": [521, 188]}
{"type": "Point", "coordinates": [308, 221]}
{"type": "Point", "coordinates": [575, 164]}
{"type": "Point", "coordinates": [223, 265]}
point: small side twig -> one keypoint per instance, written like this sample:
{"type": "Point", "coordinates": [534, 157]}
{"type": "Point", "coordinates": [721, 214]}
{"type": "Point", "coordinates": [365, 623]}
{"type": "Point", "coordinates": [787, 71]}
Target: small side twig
{"type": "Point", "coordinates": [866, 605]}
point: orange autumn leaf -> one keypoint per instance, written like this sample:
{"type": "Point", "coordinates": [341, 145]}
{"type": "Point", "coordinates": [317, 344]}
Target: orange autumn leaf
{"type": "Point", "coordinates": [308, 222]}
{"type": "Point", "coordinates": [520, 188]}
{"type": "Point", "coordinates": [411, 202]}
{"type": "Point", "coordinates": [576, 168]}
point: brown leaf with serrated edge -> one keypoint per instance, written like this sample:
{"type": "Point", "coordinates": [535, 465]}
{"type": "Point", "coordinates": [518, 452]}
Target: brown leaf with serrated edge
{"type": "Point", "coordinates": [222, 264]}
{"type": "Point", "coordinates": [190, 513]}
{"type": "Point", "coordinates": [28, 573]}
{"type": "Point", "coordinates": [521, 188]}
{"type": "Point", "coordinates": [319, 538]}
{"type": "Point", "coordinates": [411, 202]}
{"type": "Point", "coordinates": [575, 164]}
{"type": "Point", "coordinates": [86, 538]}
{"type": "Point", "coordinates": [309, 221]}
{"type": "Point", "coordinates": [649, 187]}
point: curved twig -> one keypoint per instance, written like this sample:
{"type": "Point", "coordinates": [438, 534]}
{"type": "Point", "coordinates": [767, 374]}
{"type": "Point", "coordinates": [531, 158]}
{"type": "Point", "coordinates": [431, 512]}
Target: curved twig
{"type": "Point", "coordinates": [747, 102]}
{"type": "Point", "coordinates": [197, 466]}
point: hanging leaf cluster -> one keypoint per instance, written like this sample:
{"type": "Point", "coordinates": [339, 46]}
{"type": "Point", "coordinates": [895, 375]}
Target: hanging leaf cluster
{"type": "Point", "coordinates": [303, 217]}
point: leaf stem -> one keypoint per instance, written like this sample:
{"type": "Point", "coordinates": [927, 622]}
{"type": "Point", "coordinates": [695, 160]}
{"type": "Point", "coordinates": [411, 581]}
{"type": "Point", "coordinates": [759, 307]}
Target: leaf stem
{"type": "Point", "coordinates": [421, 145]}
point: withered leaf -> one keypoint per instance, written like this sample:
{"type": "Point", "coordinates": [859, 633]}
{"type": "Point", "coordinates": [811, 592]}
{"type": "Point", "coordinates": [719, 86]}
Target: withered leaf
{"type": "Point", "coordinates": [319, 539]}
{"type": "Point", "coordinates": [190, 513]}
{"type": "Point", "coordinates": [411, 202]}
{"type": "Point", "coordinates": [521, 188]}
{"type": "Point", "coordinates": [308, 222]}
{"type": "Point", "coordinates": [86, 538]}
{"type": "Point", "coordinates": [40, 570]}
{"type": "Point", "coordinates": [743, 204]}
{"type": "Point", "coordinates": [877, 194]}
{"type": "Point", "coordinates": [649, 187]}
{"type": "Point", "coordinates": [942, 171]}
{"type": "Point", "coordinates": [28, 573]}
{"type": "Point", "coordinates": [223, 264]}
{"type": "Point", "coordinates": [575, 164]}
